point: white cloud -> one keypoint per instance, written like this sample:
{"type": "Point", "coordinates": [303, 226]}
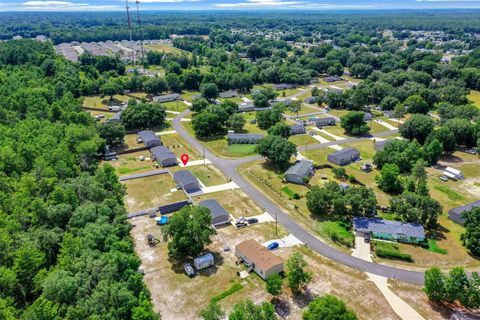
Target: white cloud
{"type": "Point", "coordinates": [54, 6]}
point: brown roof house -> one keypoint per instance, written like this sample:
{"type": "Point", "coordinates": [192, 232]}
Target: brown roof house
{"type": "Point", "coordinates": [259, 258]}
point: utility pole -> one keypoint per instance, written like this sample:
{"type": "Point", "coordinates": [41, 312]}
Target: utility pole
{"type": "Point", "coordinates": [276, 224]}
{"type": "Point", "coordinates": [204, 159]}
{"type": "Point", "coordinates": [130, 32]}
{"type": "Point", "coordinates": [141, 30]}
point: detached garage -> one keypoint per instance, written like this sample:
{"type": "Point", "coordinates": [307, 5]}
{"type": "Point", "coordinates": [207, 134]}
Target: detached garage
{"type": "Point", "coordinates": [186, 180]}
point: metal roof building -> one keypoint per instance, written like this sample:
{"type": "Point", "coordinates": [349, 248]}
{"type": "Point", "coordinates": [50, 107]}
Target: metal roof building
{"type": "Point", "coordinates": [380, 145]}
{"type": "Point", "coordinates": [217, 212]}
{"type": "Point", "coordinates": [186, 180]}
{"type": "Point", "coordinates": [228, 94]}
{"type": "Point", "coordinates": [243, 138]}
{"type": "Point", "coordinates": [344, 156]}
{"type": "Point", "coordinates": [299, 171]}
{"type": "Point", "coordinates": [323, 122]}
{"type": "Point", "coordinates": [297, 129]}
{"type": "Point", "coordinates": [390, 230]}
{"type": "Point", "coordinates": [455, 214]}
{"type": "Point", "coordinates": [164, 156]}
{"type": "Point", "coordinates": [149, 139]}
{"type": "Point", "coordinates": [166, 97]}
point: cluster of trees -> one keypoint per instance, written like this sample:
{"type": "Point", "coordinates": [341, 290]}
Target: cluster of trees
{"type": "Point", "coordinates": [277, 150]}
{"type": "Point", "coordinates": [354, 124]}
{"type": "Point", "coordinates": [333, 202]}
{"type": "Point", "coordinates": [65, 250]}
{"type": "Point", "coordinates": [471, 236]}
{"type": "Point", "coordinates": [212, 120]}
{"type": "Point", "coordinates": [143, 115]}
{"type": "Point", "coordinates": [456, 286]}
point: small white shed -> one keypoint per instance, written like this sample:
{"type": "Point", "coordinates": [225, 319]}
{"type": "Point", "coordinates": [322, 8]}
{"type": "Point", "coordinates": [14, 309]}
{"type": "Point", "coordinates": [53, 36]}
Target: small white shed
{"type": "Point", "coordinates": [453, 174]}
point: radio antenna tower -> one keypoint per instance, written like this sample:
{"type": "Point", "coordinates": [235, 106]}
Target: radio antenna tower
{"type": "Point", "coordinates": [130, 31]}
{"type": "Point", "coordinates": [141, 30]}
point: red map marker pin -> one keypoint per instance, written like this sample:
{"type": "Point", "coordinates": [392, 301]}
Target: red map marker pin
{"type": "Point", "coordinates": [184, 158]}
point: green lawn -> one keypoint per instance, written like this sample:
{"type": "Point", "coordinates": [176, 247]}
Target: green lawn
{"type": "Point", "coordinates": [474, 96]}
{"type": "Point", "coordinates": [337, 232]}
{"type": "Point", "coordinates": [175, 106]}
{"type": "Point", "coordinates": [433, 247]}
{"type": "Point", "coordinates": [302, 139]}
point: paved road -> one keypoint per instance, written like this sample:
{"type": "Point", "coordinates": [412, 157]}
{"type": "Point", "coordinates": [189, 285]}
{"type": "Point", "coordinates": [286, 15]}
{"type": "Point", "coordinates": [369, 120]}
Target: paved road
{"type": "Point", "coordinates": [228, 167]}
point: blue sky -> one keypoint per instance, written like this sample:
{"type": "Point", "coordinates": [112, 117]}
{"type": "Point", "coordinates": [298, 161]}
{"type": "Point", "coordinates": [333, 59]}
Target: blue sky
{"type": "Point", "coordinates": [323, 5]}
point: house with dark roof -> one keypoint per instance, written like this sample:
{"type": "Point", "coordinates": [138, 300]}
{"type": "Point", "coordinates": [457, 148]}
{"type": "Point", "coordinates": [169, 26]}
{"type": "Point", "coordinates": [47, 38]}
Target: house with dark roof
{"type": "Point", "coordinates": [116, 118]}
{"type": "Point", "coordinates": [282, 86]}
{"type": "Point", "coordinates": [219, 215]}
{"type": "Point", "coordinates": [246, 107]}
{"type": "Point", "coordinates": [367, 116]}
{"type": "Point", "coordinates": [244, 138]}
{"type": "Point", "coordinates": [167, 97]}
{"type": "Point", "coordinates": [380, 145]}
{"type": "Point", "coordinates": [344, 156]}
{"type": "Point", "coordinates": [228, 94]}
{"type": "Point", "coordinates": [186, 180]}
{"type": "Point", "coordinates": [455, 214]}
{"type": "Point", "coordinates": [390, 230]}
{"type": "Point", "coordinates": [323, 122]}
{"type": "Point", "coordinates": [310, 100]}
{"type": "Point", "coordinates": [299, 172]}
{"type": "Point", "coordinates": [164, 156]}
{"type": "Point", "coordinates": [149, 139]}
{"type": "Point", "coordinates": [258, 258]}
{"type": "Point", "coordinates": [275, 102]}
{"type": "Point", "coordinates": [333, 79]}
{"type": "Point", "coordinates": [297, 129]}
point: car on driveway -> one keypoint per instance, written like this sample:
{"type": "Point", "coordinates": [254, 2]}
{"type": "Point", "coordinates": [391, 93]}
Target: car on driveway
{"type": "Point", "coordinates": [189, 269]}
{"type": "Point", "coordinates": [366, 236]}
{"type": "Point", "coordinates": [252, 220]}
{"type": "Point", "coordinates": [273, 246]}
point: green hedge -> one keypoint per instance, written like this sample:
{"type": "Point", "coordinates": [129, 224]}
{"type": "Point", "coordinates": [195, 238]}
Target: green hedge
{"type": "Point", "coordinates": [234, 288]}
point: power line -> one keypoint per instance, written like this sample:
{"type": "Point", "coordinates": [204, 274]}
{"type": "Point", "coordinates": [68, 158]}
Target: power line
{"type": "Point", "coordinates": [130, 31]}
{"type": "Point", "coordinates": [141, 30]}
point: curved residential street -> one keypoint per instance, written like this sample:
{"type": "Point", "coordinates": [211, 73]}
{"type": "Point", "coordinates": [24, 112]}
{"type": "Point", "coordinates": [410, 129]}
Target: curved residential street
{"type": "Point", "coordinates": [229, 166]}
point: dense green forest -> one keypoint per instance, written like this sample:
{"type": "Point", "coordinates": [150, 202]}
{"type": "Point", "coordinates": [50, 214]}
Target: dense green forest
{"type": "Point", "coordinates": [65, 250]}
{"type": "Point", "coordinates": [65, 27]}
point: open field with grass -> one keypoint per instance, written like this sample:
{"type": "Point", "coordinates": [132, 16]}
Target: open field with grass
{"type": "Point", "coordinates": [302, 139]}
{"type": "Point", "coordinates": [188, 95]}
{"type": "Point", "coordinates": [178, 146]}
{"type": "Point", "coordinates": [166, 48]}
{"type": "Point", "coordinates": [305, 110]}
{"type": "Point", "coordinates": [474, 97]}
{"type": "Point", "coordinates": [151, 192]}
{"type": "Point", "coordinates": [220, 146]}
{"type": "Point", "coordinates": [104, 102]}
{"type": "Point", "coordinates": [236, 202]}
{"type": "Point", "coordinates": [130, 163]}
{"type": "Point", "coordinates": [175, 105]}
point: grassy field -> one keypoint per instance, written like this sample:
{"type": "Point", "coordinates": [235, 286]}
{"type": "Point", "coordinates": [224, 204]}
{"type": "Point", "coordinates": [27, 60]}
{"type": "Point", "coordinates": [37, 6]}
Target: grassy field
{"type": "Point", "coordinates": [188, 95]}
{"type": "Point", "coordinates": [474, 97]}
{"type": "Point", "coordinates": [304, 110]}
{"type": "Point", "coordinates": [104, 102]}
{"type": "Point", "coordinates": [127, 164]}
{"type": "Point", "coordinates": [302, 139]}
{"type": "Point", "coordinates": [178, 146]}
{"type": "Point", "coordinates": [167, 48]}
{"type": "Point", "coordinates": [175, 106]}
{"type": "Point", "coordinates": [151, 192]}
{"type": "Point", "coordinates": [236, 202]}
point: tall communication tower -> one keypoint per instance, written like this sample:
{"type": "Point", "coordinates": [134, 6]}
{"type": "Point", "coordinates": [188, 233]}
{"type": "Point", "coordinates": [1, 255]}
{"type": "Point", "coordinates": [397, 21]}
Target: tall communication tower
{"type": "Point", "coordinates": [130, 31]}
{"type": "Point", "coordinates": [141, 30]}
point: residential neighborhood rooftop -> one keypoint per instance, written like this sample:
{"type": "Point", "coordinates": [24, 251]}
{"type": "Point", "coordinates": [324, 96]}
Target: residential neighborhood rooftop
{"type": "Point", "coordinates": [388, 226]}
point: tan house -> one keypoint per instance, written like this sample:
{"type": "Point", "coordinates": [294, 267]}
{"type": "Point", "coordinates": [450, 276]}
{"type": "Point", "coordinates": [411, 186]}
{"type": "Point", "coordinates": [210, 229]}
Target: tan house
{"type": "Point", "coordinates": [259, 258]}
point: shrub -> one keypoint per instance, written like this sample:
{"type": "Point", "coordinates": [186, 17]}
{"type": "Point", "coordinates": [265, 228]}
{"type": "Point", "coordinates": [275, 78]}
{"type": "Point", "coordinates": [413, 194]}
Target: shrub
{"type": "Point", "coordinates": [390, 251]}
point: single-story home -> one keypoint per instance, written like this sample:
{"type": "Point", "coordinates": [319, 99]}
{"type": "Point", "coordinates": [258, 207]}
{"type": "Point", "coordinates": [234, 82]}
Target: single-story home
{"type": "Point", "coordinates": [164, 156]}
{"type": "Point", "coordinates": [116, 118]}
{"type": "Point", "coordinates": [282, 86]}
{"type": "Point", "coordinates": [228, 94]}
{"type": "Point", "coordinates": [323, 122]}
{"type": "Point", "coordinates": [298, 172]}
{"type": "Point", "coordinates": [455, 214]}
{"type": "Point", "coordinates": [167, 97]}
{"type": "Point", "coordinates": [344, 156]}
{"type": "Point", "coordinates": [334, 89]}
{"type": "Point", "coordinates": [275, 102]}
{"type": "Point", "coordinates": [297, 129]}
{"type": "Point", "coordinates": [259, 258]}
{"type": "Point", "coordinates": [367, 116]}
{"type": "Point", "coordinates": [149, 139]}
{"type": "Point", "coordinates": [219, 215]}
{"type": "Point", "coordinates": [244, 138]}
{"type": "Point", "coordinates": [246, 107]}
{"type": "Point", "coordinates": [388, 113]}
{"type": "Point", "coordinates": [333, 79]}
{"type": "Point", "coordinates": [380, 145]}
{"type": "Point", "coordinates": [310, 100]}
{"type": "Point", "coordinates": [186, 180]}
{"type": "Point", "coordinates": [390, 230]}
{"type": "Point", "coordinates": [453, 174]}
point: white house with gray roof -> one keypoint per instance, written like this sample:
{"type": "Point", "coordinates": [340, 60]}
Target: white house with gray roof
{"type": "Point", "coordinates": [344, 156]}
{"type": "Point", "coordinates": [299, 172]}
{"type": "Point", "coordinates": [219, 215]}
{"type": "Point", "coordinates": [323, 122]}
{"type": "Point", "coordinates": [244, 138]}
{"type": "Point", "coordinates": [390, 230]}
{"type": "Point", "coordinates": [164, 156]}
{"type": "Point", "coordinates": [228, 94]}
{"type": "Point", "coordinates": [167, 97]}
{"type": "Point", "coordinates": [297, 129]}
